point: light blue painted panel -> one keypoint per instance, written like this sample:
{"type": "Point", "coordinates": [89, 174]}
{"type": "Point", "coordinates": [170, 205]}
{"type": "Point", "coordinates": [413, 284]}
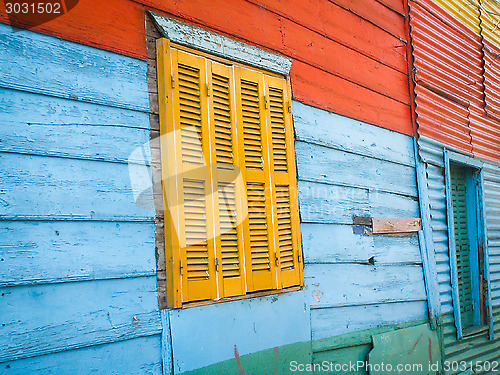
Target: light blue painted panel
{"type": "Point", "coordinates": [333, 243]}
{"type": "Point", "coordinates": [208, 334]}
{"type": "Point", "coordinates": [323, 203]}
{"type": "Point", "coordinates": [47, 252]}
{"type": "Point", "coordinates": [45, 125]}
{"type": "Point", "coordinates": [328, 165]}
{"type": "Point", "coordinates": [346, 134]}
{"type": "Point", "coordinates": [132, 357]}
{"type": "Point", "coordinates": [331, 285]}
{"type": "Point", "coordinates": [52, 66]}
{"type": "Point", "coordinates": [56, 187]}
{"type": "Point", "coordinates": [51, 318]}
{"type": "Point", "coordinates": [330, 322]}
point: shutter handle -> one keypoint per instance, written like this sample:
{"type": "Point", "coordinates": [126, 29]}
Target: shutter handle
{"type": "Point", "coordinates": [266, 103]}
{"type": "Point", "coordinates": [173, 81]}
{"type": "Point", "coordinates": [217, 264]}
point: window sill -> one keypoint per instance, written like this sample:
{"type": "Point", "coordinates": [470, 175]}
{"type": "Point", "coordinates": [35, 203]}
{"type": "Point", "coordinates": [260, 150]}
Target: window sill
{"type": "Point", "coordinates": [263, 293]}
{"type": "Point", "coordinates": [474, 330]}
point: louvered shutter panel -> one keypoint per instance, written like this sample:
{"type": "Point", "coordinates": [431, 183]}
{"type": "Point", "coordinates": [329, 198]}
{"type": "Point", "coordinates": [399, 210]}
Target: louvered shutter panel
{"type": "Point", "coordinates": [227, 182]}
{"type": "Point", "coordinates": [462, 245]}
{"type": "Point", "coordinates": [194, 182]}
{"type": "Point", "coordinates": [253, 157]}
{"type": "Point", "coordinates": [282, 162]}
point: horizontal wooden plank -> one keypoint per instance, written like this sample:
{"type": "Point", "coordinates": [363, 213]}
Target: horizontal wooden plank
{"type": "Point", "coordinates": [334, 285]}
{"type": "Point", "coordinates": [377, 13]}
{"type": "Point", "coordinates": [346, 134]}
{"type": "Point", "coordinates": [136, 356]}
{"type": "Point", "coordinates": [343, 26]}
{"type": "Point", "coordinates": [316, 50]}
{"type": "Point", "coordinates": [35, 185]}
{"type": "Point", "coordinates": [45, 125]}
{"type": "Point", "coordinates": [318, 88]}
{"type": "Point", "coordinates": [323, 203]}
{"type": "Point", "coordinates": [42, 64]}
{"type": "Point", "coordinates": [405, 225]}
{"type": "Point", "coordinates": [213, 331]}
{"type": "Point", "coordinates": [51, 318]}
{"type": "Point", "coordinates": [53, 252]}
{"type": "Point", "coordinates": [332, 243]}
{"type": "Point", "coordinates": [327, 165]}
{"type": "Point", "coordinates": [330, 322]}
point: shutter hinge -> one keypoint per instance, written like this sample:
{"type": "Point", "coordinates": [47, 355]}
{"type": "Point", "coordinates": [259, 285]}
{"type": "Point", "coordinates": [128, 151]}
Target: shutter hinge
{"type": "Point", "coordinates": [208, 90]}
{"type": "Point", "coordinates": [180, 266]}
{"type": "Point", "coordinates": [173, 81]}
{"type": "Point", "coordinates": [217, 264]}
{"type": "Point", "coordinates": [289, 107]}
{"type": "Point", "coordinates": [266, 102]}
{"type": "Point", "coordinates": [299, 258]}
{"type": "Point", "coordinates": [276, 259]}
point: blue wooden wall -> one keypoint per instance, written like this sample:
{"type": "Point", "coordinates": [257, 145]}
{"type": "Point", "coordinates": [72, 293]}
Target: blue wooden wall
{"type": "Point", "coordinates": [78, 270]}
{"type": "Point", "coordinates": [348, 168]}
{"type": "Point", "coordinates": [78, 254]}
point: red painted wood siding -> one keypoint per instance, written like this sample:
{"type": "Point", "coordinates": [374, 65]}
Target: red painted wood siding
{"type": "Point", "coordinates": [349, 55]}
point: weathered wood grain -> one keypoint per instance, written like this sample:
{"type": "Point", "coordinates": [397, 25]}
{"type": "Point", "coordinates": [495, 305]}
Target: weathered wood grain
{"type": "Point", "coordinates": [136, 357]}
{"type": "Point", "coordinates": [252, 325]}
{"type": "Point", "coordinates": [48, 126]}
{"type": "Point", "coordinates": [332, 243]}
{"type": "Point", "coordinates": [217, 44]}
{"type": "Point", "coordinates": [51, 318]}
{"type": "Point", "coordinates": [405, 225]}
{"type": "Point", "coordinates": [330, 322]}
{"type": "Point", "coordinates": [55, 252]}
{"type": "Point", "coordinates": [54, 67]}
{"type": "Point", "coordinates": [326, 165]}
{"type": "Point", "coordinates": [346, 134]}
{"type": "Point", "coordinates": [324, 203]}
{"type": "Point", "coordinates": [334, 22]}
{"type": "Point", "coordinates": [52, 187]}
{"type": "Point", "coordinates": [320, 89]}
{"type": "Point", "coordinates": [335, 285]}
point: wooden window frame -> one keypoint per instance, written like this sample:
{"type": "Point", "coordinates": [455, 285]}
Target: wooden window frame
{"type": "Point", "coordinates": [477, 237]}
{"type": "Point", "coordinates": [175, 297]}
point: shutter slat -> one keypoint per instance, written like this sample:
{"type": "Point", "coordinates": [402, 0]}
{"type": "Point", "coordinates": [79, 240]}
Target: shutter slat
{"type": "Point", "coordinates": [462, 245]}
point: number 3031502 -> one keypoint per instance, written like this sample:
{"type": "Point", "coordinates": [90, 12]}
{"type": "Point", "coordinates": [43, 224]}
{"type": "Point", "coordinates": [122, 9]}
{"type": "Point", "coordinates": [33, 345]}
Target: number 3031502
{"type": "Point", "coordinates": [474, 366]}
{"type": "Point", "coordinates": [40, 8]}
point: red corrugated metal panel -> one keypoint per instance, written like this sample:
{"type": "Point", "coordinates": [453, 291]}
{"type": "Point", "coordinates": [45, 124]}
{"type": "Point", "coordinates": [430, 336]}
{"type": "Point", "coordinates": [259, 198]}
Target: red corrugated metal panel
{"type": "Point", "coordinates": [448, 77]}
{"type": "Point", "coordinates": [485, 133]}
{"type": "Point", "coordinates": [442, 119]}
{"type": "Point", "coordinates": [452, 89]}
{"type": "Point", "coordinates": [492, 78]}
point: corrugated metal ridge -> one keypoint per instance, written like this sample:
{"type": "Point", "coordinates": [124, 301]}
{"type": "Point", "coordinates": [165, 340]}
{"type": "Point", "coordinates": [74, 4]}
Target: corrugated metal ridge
{"type": "Point", "coordinates": [490, 20]}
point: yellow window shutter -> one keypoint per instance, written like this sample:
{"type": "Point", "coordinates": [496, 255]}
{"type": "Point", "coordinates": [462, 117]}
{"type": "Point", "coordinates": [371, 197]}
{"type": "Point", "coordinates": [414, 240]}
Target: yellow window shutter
{"type": "Point", "coordinates": [227, 182]}
{"type": "Point", "coordinates": [169, 173]}
{"type": "Point", "coordinates": [194, 180]}
{"type": "Point", "coordinates": [253, 159]}
{"type": "Point", "coordinates": [284, 182]}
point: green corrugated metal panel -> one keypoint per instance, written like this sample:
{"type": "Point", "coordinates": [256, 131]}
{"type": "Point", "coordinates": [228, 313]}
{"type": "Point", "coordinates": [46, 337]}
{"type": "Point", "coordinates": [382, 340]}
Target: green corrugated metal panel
{"type": "Point", "coordinates": [476, 348]}
{"type": "Point", "coordinates": [462, 245]}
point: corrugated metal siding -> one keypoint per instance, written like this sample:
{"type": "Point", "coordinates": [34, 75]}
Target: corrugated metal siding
{"type": "Point", "coordinates": [452, 90]}
{"type": "Point", "coordinates": [448, 76]}
{"type": "Point", "coordinates": [478, 347]}
{"type": "Point", "coordinates": [492, 211]}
